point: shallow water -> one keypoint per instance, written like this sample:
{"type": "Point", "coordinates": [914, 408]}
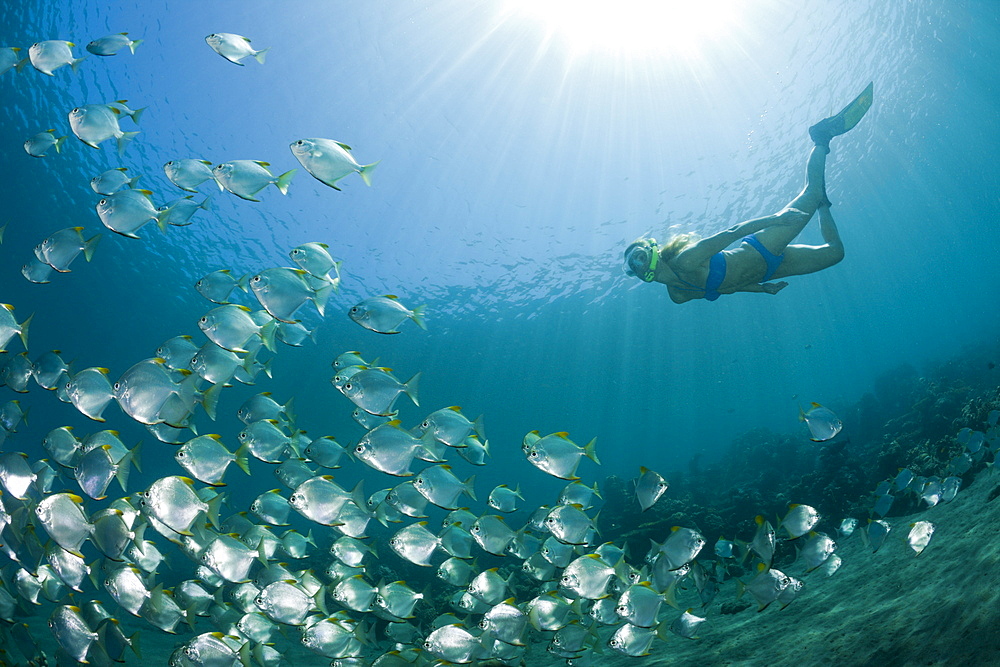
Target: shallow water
{"type": "Point", "coordinates": [514, 171]}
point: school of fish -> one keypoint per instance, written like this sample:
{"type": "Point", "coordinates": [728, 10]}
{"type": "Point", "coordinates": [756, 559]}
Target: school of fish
{"type": "Point", "coordinates": [65, 530]}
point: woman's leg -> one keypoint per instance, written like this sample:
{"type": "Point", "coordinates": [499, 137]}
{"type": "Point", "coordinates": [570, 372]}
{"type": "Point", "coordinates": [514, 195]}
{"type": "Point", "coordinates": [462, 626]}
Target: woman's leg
{"type": "Point", "coordinates": [802, 259]}
{"type": "Point", "coordinates": [789, 222]}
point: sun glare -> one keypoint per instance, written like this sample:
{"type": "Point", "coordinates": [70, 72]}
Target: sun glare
{"type": "Point", "coordinates": [633, 27]}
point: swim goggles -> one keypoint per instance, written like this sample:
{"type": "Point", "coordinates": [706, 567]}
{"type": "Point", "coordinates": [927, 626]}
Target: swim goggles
{"type": "Point", "coordinates": [641, 258]}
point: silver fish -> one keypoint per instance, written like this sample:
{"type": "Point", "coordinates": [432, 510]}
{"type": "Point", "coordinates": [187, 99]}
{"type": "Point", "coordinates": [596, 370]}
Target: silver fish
{"type": "Point", "coordinates": [110, 45]}
{"type": "Point", "coordinates": [188, 173]}
{"type": "Point", "coordinates": [180, 211]}
{"type": "Point", "coordinates": [37, 272]}
{"type": "Point", "coordinates": [59, 249]}
{"type": "Point", "coordinates": [218, 285]}
{"type": "Point", "coordinates": [177, 352]}
{"type": "Point", "coordinates": [265, 440]}
{"type": "Point", "coordinates": [383, 314]}
{"type": "Point", "coordinates": [504, 499]}
{"type": "Point", "coordinates": [16, 474]}
{"type": "Point", "coordinates": [172, 501]}
{"type": "Point", "coordinates": [245, 178]}
{"type": "Point", "coordinates": [112, 180]}
{"type": "Point", "coordinates": [453, 643]}
{"type": "Point", "coordinates": [649, 487]}
{"type": "Point", "coordinates": [440, 486]}
{"type": "Point", "coordinates": [817, 549]}
{"type": "Point", "coordinates": [315, 258]}
{"type": "Point", "coordinates": [799, 520]}
{"type": "Point", "coordinates": [10, 59]}
{"type": "Point", "coordinates": [492, 534]}
{"type": "Point", "coordinates": [767, 585]}
{"type": "Point", "coordinates": [229, 558]}
{"type": "Point", "coordinates": [559, 456]}
{"type": "Point", "coordinates": [206, 459]}
{"type": "Point", "coordinates": [355, 593]}
{"type": "Point", "coordinates": [127, 211]}
{"type": "Point", "coordinates": [920, 536]}
{"type": "Point", "coordinates": [325, 451]}
{"type": "Point", "coordinates": [282, 291]}
{"type": "Point", "coordinates": [61, 514]}
{"type": "Point", "coordinates": [687, 625]}
{"type": "Point", "coordinates": [822, 422]}
{"type": "Point", "coordinates": [320, 499]}
{"type": "Point", "coordinates": [415, 543]}
{"type": "Point", "coordinates": [588, 577]}
{"type": "Point", "coordinates": [271, 507]}
{"type": "Point", "coordinates": [388, 448]}
{"type": "Point", "coordinates": [329, 161]}
{"type": "Point", "coordinates": [640, 605]}
{"type": "Point", "coordinates": [51, 54]}
{"type": "Point", "coordinates": [375, 390]}
{"type": "Point", "coordinates": [234, 48]}
{"type": "Point", "coordinates": [95, 123]}
{"type": "Point", "coordinates": [71, 631]}
{"type": "Point", "coordinates": [231, 328]}
{"type": "Point", "coordinates": [38, 144]}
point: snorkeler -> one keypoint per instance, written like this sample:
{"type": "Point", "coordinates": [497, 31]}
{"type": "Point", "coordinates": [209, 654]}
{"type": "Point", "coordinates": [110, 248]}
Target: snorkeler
{"type": "Point", "coordinates": [696, 268]}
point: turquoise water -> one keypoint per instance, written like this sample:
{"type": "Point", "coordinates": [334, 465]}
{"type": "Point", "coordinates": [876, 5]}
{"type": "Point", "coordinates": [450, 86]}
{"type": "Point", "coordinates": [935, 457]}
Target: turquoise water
{"type": "Point", "coordinates": [513, 172]}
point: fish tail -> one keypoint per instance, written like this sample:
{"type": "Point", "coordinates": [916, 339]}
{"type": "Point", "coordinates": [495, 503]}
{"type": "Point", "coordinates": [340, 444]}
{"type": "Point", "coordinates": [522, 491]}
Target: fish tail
{"type": "Point", "coordinates": [124, 139]}
{"type": "Point", "coordinates": [214, 505]}
{"type": "Point", "coordinates": [242, 460]}
{"type": "Point", "coordinates": [90, 245]}
{"type": "Point", "coordinates": [260, 55]}
{"type": "Point", "coordinates": [207, 204]}
{"type": "Point", "coordinates": [417, 315]}
{"type": "Point", "coordinates": [122, 473]}
{"type": "Point", "coordinates": [366, 172]}
{"type": "Point", "coordinates": [242, 283]}
{"type": "Point", "coordinates": [284, 180]}
{"type": "Point", "coordinates": [210, 400]}
{"type": "Point", "coordinates": [590, 450]}
{"type": "Point", "coordinates": [134, 44]}
{"type": "Point", "coordinates": [135, 452]}
{"type": "Point", "coordinates": [410, 388]}
{"type": "Point", "coordinates": [479, 427]}
{"type": "Point", "coordinates": [161, 219]}
{"type": "Point", "coordinates": [267, 335]}
{"type": "Point", "coordinates": [132, 181]}
{"type": "Point", "coordinates": [290, 410]}
{"type": "Point", "coordinates": [320, 296]}
{"type": "Point", "coordinates": [75, 64]}
{"type": "Point", "coordinates": [136, 114]}
{"type": "Point", "coordinates": [469, 487]}
{"type": "Point", "coordinates": [3, 227]}
{"type": "Point", "coordinates": [21, 63]}
{"type": "Point", "coordinates": [58, 145]}
{"type": "Point", "coordinates": [24, 331]}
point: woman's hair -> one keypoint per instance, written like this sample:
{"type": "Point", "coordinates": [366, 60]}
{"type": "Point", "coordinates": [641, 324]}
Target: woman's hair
{"type": "Point", "coordinates": [676, 243]}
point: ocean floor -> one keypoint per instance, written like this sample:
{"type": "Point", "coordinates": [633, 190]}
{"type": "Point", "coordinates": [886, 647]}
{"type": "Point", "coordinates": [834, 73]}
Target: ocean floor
{"type": "Point", "coordinates": [885, 608]}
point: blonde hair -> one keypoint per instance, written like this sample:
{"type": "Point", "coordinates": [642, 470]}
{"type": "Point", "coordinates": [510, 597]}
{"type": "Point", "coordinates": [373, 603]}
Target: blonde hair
{"type": "Point", "coordinates": [676, 243]}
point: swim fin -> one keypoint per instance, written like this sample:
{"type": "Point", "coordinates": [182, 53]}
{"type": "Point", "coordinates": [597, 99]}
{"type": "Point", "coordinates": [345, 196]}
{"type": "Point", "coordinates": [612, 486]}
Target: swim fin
{"type": "Point", "coordinates": [822, 132]}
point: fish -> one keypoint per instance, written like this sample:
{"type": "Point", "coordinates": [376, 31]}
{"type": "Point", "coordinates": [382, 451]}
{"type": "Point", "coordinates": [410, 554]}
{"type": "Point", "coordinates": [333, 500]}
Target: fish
{"type": "Point", "coordinates": [113, 180]}
{"type": "Point", "coordinates": [62, 517]}
{"type": "Point", "coordinates": [9, 327]}
{"type": "Point", "coordinates": [265, 440]}
{"type": "Point", "coordinates": [440, 486]}
{"type": "Point", "coordinates": [15, 474]}
{"type": "Point", "coordinates": [506, 622]}
{"type": "Point", "coordinates": [322, 500]}
{"type": "Point", "coordinates": [315, 258]}
{"type": "Point", "coordinates": [375, 390]}
{"type": "Point", "coordinates": [245, 178]}
{"type": "Point", "coordinates": [325, 451]}
{"type": "Point", "coordinates": [177, 352]}
{"type": "Point", "coordinates": [822, 422]}
{"type": "Point", "coordinates": [919, 536]}
{"type": "Point", "coordinates": [218, 285]}
{"type": "Point", "coordinates": [90, 392]}
{"type": "Point", "coordinates": [762, 543]}
{"type": "Point", "coordinates": [454, 644]}
{"type": "Point", "coordinates": [71, 631]}
{"type": "Point", "coordinates": [405, 499]}
{"type": "Point", "coordinates": [96, 469]}
{"type": "Point", "coordinates": [799, 520]}
{"type": "Point", "coordinates": [334, 638]}
{"type": "Point", "coordinates": [145, 390]}
{"type": "Point", "coordinates": [876, 533]}
{"type": "Point", "coordinates": [37, 145]}
{"type": "Point", "coordinates": [37, 272]}
{"type": "Point", "coordinates": [234, 48]}
{"type": "Point", "coordinates": [179, 212]}
{"type": "Point", "coordinates": [231, 328]}
{"type": "Point", "coordinates": [329, 161]}
{"type": "Point", "coordinates": [51, 54]}
{"type": "Point", "coordinates": [816, 550]}
{"type": "Point", "coordinates": [188, 173]}
{"type": "Point", "coordinates": [504, 499]}
{"type": "Point", "coordinates": [229, 557]}
{"type": "Point", "coordinates": [389, 449]}
{"type": "Point", "coordinates": [559, 456]}
{"type": "Point", "coordinates": [94, 123]}
{"type": "Point", "coordinates": [10, 59]}
{"type": "Point", "coordinates": [111, 44]}
{"type": "Point", "coordinates": [767, 585]}
{"type": "Point", "coordinates": [127, 211]}
{"type": "Point", "coordinates": [271, 507]}
{"type": "Point", "coordinates": [847, 527]}
{"type": "Point", "coordinates": [680, 547]}
{"type": "Point", "coordinates": [262, 406]}
{"type": "Point", "coordinates": [383, 314]}
{"type": "Point", "coordinates": [569, 524]}
{"type": "Point", "coordinates": [121, 107]}
{"type": "Point", "coordinates": [649, 487]}
{"type": "Point", "coordinates": [282, 291]}
{"type": "Point", "coordinates": [59, 249]}
{"type": "Point", "coordinates": [450, 427]}
{"type": "Point", "coordinates": [415, 543]}
{"type": "Point", "coordinates": [687, 625]}
{"type": "Point", "coordinates": [206, 459]}
{"type": "Point", "coordinates": [492, 534]}
{"type": "Point", "coordinates": [640, 605]}
{"type": "Point", "coordinates": [172, 501]}
{"type": "Point", "coordinates": [632, 640]}
{"type": "Point", "coordinates": [588, 577]}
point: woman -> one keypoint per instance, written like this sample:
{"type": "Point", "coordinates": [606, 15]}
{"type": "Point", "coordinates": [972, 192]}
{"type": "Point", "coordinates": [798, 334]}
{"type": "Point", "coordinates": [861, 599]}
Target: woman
{"type": "Point", "coordinates": [695, 268]}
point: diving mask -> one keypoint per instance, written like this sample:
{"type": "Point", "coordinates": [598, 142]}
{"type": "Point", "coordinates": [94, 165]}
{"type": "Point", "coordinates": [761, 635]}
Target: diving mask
{"type": "Point", "coordinates": [641, 258]}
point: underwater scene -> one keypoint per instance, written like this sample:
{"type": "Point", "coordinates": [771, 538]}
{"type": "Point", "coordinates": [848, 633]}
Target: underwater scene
{"type": "Point", "coordinates": [326, 337]}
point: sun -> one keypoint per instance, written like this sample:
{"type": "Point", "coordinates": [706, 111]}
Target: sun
{"type": "Point", "coordinates": [633, 27]}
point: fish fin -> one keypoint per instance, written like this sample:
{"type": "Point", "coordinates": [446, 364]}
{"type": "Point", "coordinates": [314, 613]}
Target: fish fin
{"type": "Point", "coordinates": [75, 64]}
{"type": "Point", "coordinates": [590, 450]}
{"type": "Point", "coordinates": [21, 64]}
{"type": "Point", "coordinates": [213, 509]}
{"type": "Point", "coordinates": [366, 172]}
{"type": "Point", "coordinates": [260, 55]}
{"type": "Point", "coordinates": [469, 487]}
{"type": "Point", "coordinates": [90, 245]}
{"type": "Point", "coordinates": [210, 400]}
{"type": "Point", "coordinates": [417, 315]}
{"type": "Point", "coordinates": [410, 388]}
{"type": "Point", "coordinates": [267, 335]}
{"type": "Point", "coordinates": [134, 44]}
{"type": "Point", "coordinates": [320, 297]}
{"type": "Point", "coordinates": [135, 452]}
{"type": "Point", "coordinates": [124, 139]}
{"type": "Point", "coordinates": [58, 145]}
{"type": "Point", "coordinates": [284, 180]}
{"type": "Point", "coordinates": [137, 113]}
{"type": "Point", "coordinates": [207, 204]}
{"type": "Point", "coordinates": [24, 331]}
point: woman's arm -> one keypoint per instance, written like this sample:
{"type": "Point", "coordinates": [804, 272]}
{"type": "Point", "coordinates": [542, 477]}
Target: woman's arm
{"type": "Point", "coordinates": [705, 248]}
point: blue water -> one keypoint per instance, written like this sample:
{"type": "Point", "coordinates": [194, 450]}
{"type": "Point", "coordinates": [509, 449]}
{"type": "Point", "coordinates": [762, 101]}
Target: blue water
{"type": "Point", "coordinates": [513, 172]}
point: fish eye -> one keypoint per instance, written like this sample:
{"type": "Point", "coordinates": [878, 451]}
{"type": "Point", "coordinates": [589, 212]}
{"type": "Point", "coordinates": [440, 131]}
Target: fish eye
{"type": "Point", "coordinates": [348, 385]}
{"type": "Point", "coordinates": [181, 454]}
{"type": "Point", "coordinates": [359, 449]}
{"type": "Point", "coordinates": [118, 385]}
{"type": "Point", "coordinates": [169, 163]}
{"type": "Point", "coordinates": [103, 202]}
{"type": "Point", "coordinates": [203, 320]}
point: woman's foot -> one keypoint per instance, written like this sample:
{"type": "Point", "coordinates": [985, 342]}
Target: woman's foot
{"type": "Point", "coordinates": [822, 132]}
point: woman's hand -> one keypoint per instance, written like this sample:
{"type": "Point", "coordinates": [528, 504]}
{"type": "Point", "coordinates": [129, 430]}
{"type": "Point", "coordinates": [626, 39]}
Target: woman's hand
{"type": "Point", "coordinates": [774, 288]}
